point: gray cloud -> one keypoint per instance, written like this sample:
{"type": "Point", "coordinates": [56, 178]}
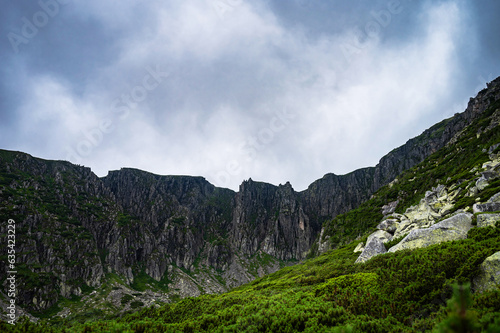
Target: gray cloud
{"type": "Point", "coordinates": [229, 90]}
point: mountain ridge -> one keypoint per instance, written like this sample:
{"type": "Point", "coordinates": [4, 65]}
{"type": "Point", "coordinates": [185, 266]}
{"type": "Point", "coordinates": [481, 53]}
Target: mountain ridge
{"type": "Point", "coordinates": [180, 234]}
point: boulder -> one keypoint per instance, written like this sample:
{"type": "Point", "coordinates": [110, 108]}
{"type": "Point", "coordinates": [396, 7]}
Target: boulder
{"type": "Point", "coordinates": [389, 225]}
{"type": "Point", "coordinates": [404, 227]}
{"type": "Point", "coordinates": [495, 198]}
{"type": "Point", "coordinates": [484, 220]}
{"type": "Point", "coordinates": [493, 164]}
{"type": "Point", "coordinates": [489, 276]}
{"type": "Point", "coordinates": [486, 207]}
{"type": "Point", "coordinates": [488, 175]}
{"type": "Point", "coordinates": [373, 247]}
{"type": "Point", "coordinates": [440, 191]}
{"type": "Point", "coordinates": [384, 236]}
{"type": "Point", "coordinates": [482, 183]}
{"type": "Point", "coordinates": [453, 228]}
{"type": "Point", "coordinates": [421, 212]}
{"type": "Point", "coordinates": [436, 204]}
{"type": "Point", "coordinates": [493, 148]}
{"type": "Point", "coordinates": [390, 208]}
{"type": "Point", "coordinates": [359, 248]}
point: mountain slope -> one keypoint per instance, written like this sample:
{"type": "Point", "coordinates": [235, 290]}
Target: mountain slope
{"type": "Point", "coordinates": [87, 244]}
{"type": "Point", "coordinates": [404, 291]}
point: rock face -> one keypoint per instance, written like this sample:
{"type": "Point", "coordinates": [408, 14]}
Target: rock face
{"type": "Point", "coordinates": [273, 219]}
{"type": "Point", "coordinates": [489, 278]}
{"type": "Point", "coordinates": [453, 228]}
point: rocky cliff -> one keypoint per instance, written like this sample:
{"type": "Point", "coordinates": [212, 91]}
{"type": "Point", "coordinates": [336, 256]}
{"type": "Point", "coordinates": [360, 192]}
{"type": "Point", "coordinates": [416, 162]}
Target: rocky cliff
{"type": "Point", "coordinates": [178, 235]}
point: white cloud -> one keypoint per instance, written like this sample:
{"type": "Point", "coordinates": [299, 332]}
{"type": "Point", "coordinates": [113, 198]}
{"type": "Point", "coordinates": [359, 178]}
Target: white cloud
{"type": "Point", "coordinates": [233, 73]}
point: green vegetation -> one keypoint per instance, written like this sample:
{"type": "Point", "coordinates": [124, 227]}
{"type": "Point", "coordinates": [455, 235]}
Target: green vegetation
{"type": "Point", "coordinates": [142, 282]}
{"type": "Point", "coordinates": [126, 298]}
{"type": "Point", "coordinates": [406, 291]}
{"type": "Point", "coordinates": [136, 304]}
{"type": "Point", "coordinates": [125, 219]}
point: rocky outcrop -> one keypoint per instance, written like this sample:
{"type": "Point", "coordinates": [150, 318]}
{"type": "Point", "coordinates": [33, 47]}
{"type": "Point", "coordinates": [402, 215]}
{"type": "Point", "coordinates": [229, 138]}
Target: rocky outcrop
{"type": "Point", "coordinates": [417, 226]}
{"type": "Point", "coordinates": [489, 276]}
{"type": "Point", "coordinates": [436, 204]}
{"type": "Point", "coordinates": [272, 219]}
{"type": "Point", "coordinates": [453, 228]}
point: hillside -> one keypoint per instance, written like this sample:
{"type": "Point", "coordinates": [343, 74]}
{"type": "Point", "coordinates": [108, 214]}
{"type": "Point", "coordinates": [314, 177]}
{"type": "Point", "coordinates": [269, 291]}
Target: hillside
{"type": "Point", "coordinates": [93, 247]}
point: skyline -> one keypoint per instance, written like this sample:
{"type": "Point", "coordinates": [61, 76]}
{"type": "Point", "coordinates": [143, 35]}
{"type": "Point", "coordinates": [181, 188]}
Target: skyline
{"type": "Point", "coordinates": [231, 89]}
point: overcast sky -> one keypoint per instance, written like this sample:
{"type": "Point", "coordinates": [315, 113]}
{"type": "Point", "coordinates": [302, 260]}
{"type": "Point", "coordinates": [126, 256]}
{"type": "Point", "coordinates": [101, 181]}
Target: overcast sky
{"type": "Point", "coordinates": [274, 90]}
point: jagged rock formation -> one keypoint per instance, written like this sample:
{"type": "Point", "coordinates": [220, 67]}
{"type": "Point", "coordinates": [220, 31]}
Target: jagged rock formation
{"type": "Point", "coordinates": [181, 234]}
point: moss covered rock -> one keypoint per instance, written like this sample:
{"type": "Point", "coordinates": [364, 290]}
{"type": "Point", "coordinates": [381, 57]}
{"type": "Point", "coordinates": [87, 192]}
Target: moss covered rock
{"type": "Point", "coordinates": [489, 278]}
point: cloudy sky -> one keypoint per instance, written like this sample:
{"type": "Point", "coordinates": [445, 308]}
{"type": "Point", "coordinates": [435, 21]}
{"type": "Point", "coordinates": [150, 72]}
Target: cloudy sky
{"type": "Point", "coordinates": [274, 90]}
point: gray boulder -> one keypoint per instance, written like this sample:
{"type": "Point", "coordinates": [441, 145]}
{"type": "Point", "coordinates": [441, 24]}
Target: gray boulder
{"type": "Point", "coordinates": [489, 278]}
{"type": "Point", "coordinates": [389, 225]}
{"type": "Point", "coordinates": [484, 220]}
{"type": "Point", "coordinates": [495, 198]}
{"type": "Point", "coordinates": [486, 207]}
{"type": "Point", "coordinates": [482, 183]}
{"type": "Point", "coordinates": [384, 236]}
{"type": "Point", "coordinates": [390, 208]}
{"type": "Point", "coordinates": [373, 247]}
{"type": "Point", "coordinates": [453, 228]}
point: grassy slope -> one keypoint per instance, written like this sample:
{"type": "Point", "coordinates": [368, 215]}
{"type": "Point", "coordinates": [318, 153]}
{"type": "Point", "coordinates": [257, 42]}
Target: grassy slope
{"type": "Point", "coordinates": [398, 292]}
